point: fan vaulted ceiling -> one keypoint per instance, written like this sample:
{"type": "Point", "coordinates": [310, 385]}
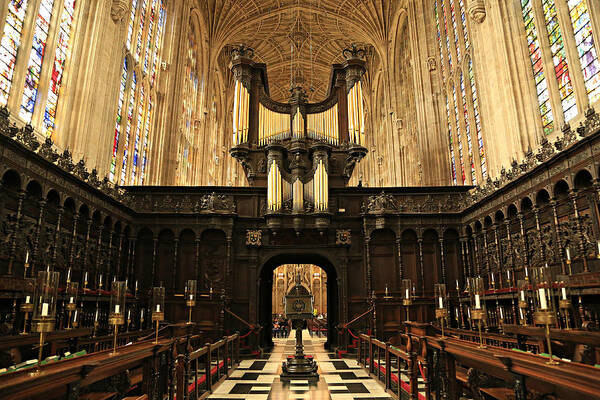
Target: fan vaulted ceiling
{"type": "Point", "coordinates": [305, 36]}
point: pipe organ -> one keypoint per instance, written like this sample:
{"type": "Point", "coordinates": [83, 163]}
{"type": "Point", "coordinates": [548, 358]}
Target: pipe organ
{"type": "Point", "coordinates": [298, 150]}
{"type": "Point", "coordinates": [241, 114]}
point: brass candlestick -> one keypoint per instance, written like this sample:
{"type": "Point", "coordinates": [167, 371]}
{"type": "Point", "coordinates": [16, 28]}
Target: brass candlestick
{"type": "Point", "coordinates": [158, 307]}
{"type": "Point", "coordinates": [478, 312]}
{"type": "Point", "coordinates": [564, 302]}
{"type": "Point", "coordinates": [117, 309]}
{"type": "Point", "coordinates": [441, 311]}
{"type": "Point", "coordinates": [407, 296]}
{"type": "Point", "coordinates": [190, 297]}
{"type": "Point", "coordinates": [544, 304]}
{"type": "Point", "coordinates": [44, 310]}
{"type": "Point", "coordinates": [71, 293]}
{"type": "Point", "coordinates": [26, 308]}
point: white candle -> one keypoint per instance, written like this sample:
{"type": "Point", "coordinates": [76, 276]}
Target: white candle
{"type": "Point", "coordinates": [142, 316]}
{"type": "Point", "coordinates": [27, 299]}
{"type": "Point", "coordinates": [469, 313]}
{"type": "Point", "coordinates": [75, 316]}
{"type": "Point", "coordinates": [117, 308]}
{"type": "Point", "coordinates": [158, 308]}
{"type": "Point", "coordinates": [191, 297]}
{"type": "Point", "coordinates": [69, 275]}
{"type": "Point", "coordinates": [96, 316]}
{"type": "Point", "coordinates": [85, 278]}
{"type": "Point", "coordinates": [407, 294]}
{"type": "Point", "coordinates": [521, 313]}
{"type": "Point", "coordinates": [501, 313]}
{"type": "Point", "coordinates": [27, 254]}
{"type": "Point", "coordinates": [44, 309]}
{"type": "Point", "coordinates": [522, 295]}
{"type": "Point", "coordinates": [563, 291]}
{"type": "Point", "coordinates": [477, 302]}
{"type": "Point", "coordinates": [440, 303]}
{"type": "Point", "coordinates": [598, 243]}
{"type": "Point", "coordinates": [129, 314]}
{"type": "Point", "coordinates": [543, 303]}
{"type": "Point", "coordinates": [71, 300]}
{"type": "Point", "coordinates": [492, 276]}
{"type": "Point", "coordinates": [568, 254]}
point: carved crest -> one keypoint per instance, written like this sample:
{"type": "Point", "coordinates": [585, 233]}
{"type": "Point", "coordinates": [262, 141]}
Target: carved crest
{"type": "Point", "coordinates": [254, 237]}
{"type": "Point", "coordinates": [343, 237]}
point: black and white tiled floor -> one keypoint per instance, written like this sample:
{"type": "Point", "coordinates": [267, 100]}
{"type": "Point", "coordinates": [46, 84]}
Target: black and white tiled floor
{"type": "Point", "coordinates": [340, 379]}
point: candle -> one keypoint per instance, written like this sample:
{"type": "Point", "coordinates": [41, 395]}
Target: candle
{"type": "Point", "coordinates": [563, 291]}
{"type": "Point", "coordinates": [27, 255]}
{"type": "Point", "coordinates": [501, 313]}
{"type": "Point", "coordinates": [129, 314]}
{"type": "Point", "coordinates": [96, 316]}
{"type": "Point", "coordinates": [75, 316]}
{"type": "Point", "coordinates": [407, 294]}
{"type": "Point", "coordinates": [192, 296]}
{"type": "Point", "coordinates": [521, 313]}
{"type": "Point", "coordinates": [440, 303]}
{"type": "Point", "coordinates": [477, 302]}
{"type": "Point", "coordinates": [542, 295]}
{"type": "Point", "coordinates": [457, 286]}
{"type": "Point", "coordinates": [85, 278]}
{"type": "Point", "coordinates": [44, 309]}
{"type": "Point", "coordinates": [522, 295]}
{"type": "Point", "coordinates": [136, 285]}
{"type": "Point", "coordinates": [493, 280]}
{"type": "Point", "coordinates": [117, 308]}
{"type": "Point", "coordinates": [456, 312]}
{"type": "Point", "coordinates": [27, 299]}
{"type": "Point", "coordinates": [158, 308]}
{"type": "Point", "coordinates": [71, 300]}
{"type": "Point", "coordinates": [598, 243]}
{"type": "Point", "coordinates": [142, 316]}
{"type": "Point", "coordinates": [468, 312]}
{"type": "Point", "coordinates": [69, 275]}
{"type": "Point", "coordinates": [100, 280]}
{"type": "Point", "coordinates": [568, 254]}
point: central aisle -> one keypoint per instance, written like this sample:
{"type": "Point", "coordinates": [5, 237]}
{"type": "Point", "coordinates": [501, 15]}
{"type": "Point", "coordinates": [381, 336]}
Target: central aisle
{"type": "Point", "coordinates": [339, 379]}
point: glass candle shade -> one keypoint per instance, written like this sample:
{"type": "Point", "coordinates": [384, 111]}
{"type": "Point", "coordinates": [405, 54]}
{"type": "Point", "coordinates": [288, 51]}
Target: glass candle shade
{"type": "Point", "coordinates": [441, 301]}
{"type": "Point", "coordinates": [523, 293]}
{"type": "Point", "coordinates": [116, 314]}
{"type": "Point", "coordinates": [71, 292]}
{"type": "Point", "coordinates": [477, 294]}
{"type": "Point", "coordinates": [563, 291]}
{"type": "Point", "coordinates": [158, 303]}
{"type": "Point", "coordinates": [190, 293]}
{"type": "Point", "coordinates": [45, 299]}
{"type": "Point", "coordinates": [543, 296]}
{"type": "Point", "coordinates": [407, 288]}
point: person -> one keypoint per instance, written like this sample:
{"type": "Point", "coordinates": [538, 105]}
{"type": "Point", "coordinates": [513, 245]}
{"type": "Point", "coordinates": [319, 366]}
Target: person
{"type": "Point", "coordinates": [275, 329]}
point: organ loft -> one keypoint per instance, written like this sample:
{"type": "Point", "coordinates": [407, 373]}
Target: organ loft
{"type": "Point", "coordinates": [365, 199]}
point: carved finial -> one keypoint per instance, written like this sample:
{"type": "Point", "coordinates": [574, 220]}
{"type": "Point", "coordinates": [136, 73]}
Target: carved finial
{"type": "Point", "coordinates": [477, 11]}
{"type": "Point", "coordinates": [354, 53]}
{"type": "Point", "coordinates": [119, 9]}
{"type": "Point", "coordinates": [241, 51]}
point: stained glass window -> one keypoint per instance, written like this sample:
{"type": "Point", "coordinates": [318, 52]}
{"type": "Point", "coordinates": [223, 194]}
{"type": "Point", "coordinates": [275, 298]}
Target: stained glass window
{"type": "Point", "coordinates": [130, 110]}
{"type": "Point", "coordinates": [451, 139]}
{"type": "Point", "coordinates": [151, 24]}
{"type": "Point", "coordinates": [140, 126]}
{"type": "Point", "coordinates": [439, 37]}
{"type": "Point", "coordinates": [157, 43]}
{"type": "Point", "coordinates": [463, 20]}
{"type": "Point", "coordinates": [146, 139]}
{"type": "Point", "coordinates": [584, 40]}
{"type": "Point", "coordinates": [465, 112]}
{"type": "Point", "coordinates": [58, 67]}
{"type": "Point", "coordinates": [131, 25]}
{"type": "Point", "coordinates": [446, 31]}
{"type": "Point", "coordinates": [477, 120]}
{"type": "Point", "coordinates": [140, 35]}
{"type": "Point", "coordinates": [458, 133]}
{"type": "Point", "coordinates": [11, 40]}
{"type": "Point", "coordinates": [122, 88]}
{"type": "Point", "coordinates": [455, 31]}
{"type": "Point", "coordinates": [36, 56]}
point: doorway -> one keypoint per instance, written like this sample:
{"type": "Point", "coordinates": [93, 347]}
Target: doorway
{"type": "Point", "coordinates": [277, 276]}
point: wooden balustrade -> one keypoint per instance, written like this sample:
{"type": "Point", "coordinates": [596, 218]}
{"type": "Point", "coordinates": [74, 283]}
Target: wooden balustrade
{"type": "Point", "coordinates": [426, 367]}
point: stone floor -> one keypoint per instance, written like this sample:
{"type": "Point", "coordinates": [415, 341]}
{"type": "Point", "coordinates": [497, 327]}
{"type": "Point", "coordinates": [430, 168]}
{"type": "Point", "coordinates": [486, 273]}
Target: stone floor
{"type": "Point", "coordinates": [339, 379]}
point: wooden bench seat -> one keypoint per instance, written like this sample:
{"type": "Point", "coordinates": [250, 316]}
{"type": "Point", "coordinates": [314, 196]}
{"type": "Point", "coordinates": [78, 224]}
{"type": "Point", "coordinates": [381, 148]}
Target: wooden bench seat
{"type": "Point", "coordinates": [98, 396]}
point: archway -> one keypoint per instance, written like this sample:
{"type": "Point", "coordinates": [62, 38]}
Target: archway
{"type": "Point", "coordinates": [265, 294]}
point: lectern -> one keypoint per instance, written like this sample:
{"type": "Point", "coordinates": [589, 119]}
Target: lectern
{"type": "Point", "coordinates": [298, 308]}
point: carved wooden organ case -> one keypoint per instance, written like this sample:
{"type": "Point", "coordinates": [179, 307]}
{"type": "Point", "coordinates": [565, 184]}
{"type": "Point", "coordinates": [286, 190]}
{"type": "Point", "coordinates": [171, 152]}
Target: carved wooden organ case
{"type": "Point", "coordinates": [298, 150]}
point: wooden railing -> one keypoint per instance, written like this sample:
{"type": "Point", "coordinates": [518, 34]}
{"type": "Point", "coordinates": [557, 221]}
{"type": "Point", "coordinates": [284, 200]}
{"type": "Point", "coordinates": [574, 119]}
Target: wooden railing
{"type": "Point", "coordinates": [427, 367]}
{"type": "Point", "coordinates": [198, 370]}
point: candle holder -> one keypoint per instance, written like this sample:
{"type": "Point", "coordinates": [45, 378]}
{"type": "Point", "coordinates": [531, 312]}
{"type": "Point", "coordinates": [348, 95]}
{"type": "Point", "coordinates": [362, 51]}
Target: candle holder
{"type": "Point", "coordinates": [523, 302]}
{"type": "Point", "coordinates": [26, 264]}
{"type": "Point", "coordinates": [71, 292]}
{"type": "Point", "coordinates": [568, 254]}
{"type": "Point", "coordinates": [142, 318]}
{"type": "Point", "coordinates": [545, 313]}
{"type": "Point", "coordinates": [386, 295]}
{"type": "Point", "coordinates": [116, 316]}
{"type": "Point", "coordinates": [510, 278]}
{"type": "Point", "coordinates": [441, 310]}
{"type": "Point", "coordinates": [85, 281]}
{"type": "Point", "coordinates": [190, 297]}
{"type": "Point", "coordinates": [478, 311]}
{"type": "Point", "coordinates": [158, 307]}
{"type": "Point", "coordinates": [500, 316]}
{"type": "Point", "coordinates": [100, 282]}
{"type": "Point", "coordinates": [492, 283]}
{"type": "Point", "coordinates": [26, 307]}
{"type": "Point", "coordinates": [75, 319]}
{"type": "Point", "coordinates": [407, 298]}
{"type": "Point", "coordinates": [564, 299]}
{"type": "Point", "coordinates": [44, 306]}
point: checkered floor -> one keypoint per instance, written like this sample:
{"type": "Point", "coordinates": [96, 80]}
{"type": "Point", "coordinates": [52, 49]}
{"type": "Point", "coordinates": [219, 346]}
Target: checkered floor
{"type": "Point", "coordinates": [340, 379]}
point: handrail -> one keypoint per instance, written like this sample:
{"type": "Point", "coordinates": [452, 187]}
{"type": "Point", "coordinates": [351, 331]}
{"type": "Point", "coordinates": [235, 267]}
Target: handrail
{"type": "Point", "coordinates": [359, 317]}
{"type": "Point", "coordinates": [242, 320]}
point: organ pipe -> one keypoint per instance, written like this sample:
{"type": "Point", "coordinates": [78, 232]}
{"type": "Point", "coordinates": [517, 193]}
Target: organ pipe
{"type": "Point", "coordinates": [324, 125]}
{"type": "Point", "coordinates": [241, 114]}
{"type": "Point", "coordinates": [321, 192]}
{"type": "Point", "coordinates": [273, 125]}
{"type": "Point", "coordinates": [298, 125]}
{"type": "Point", "coordinates": [298, 195]}
{"type": "Point", "coordinates": [356, 117]}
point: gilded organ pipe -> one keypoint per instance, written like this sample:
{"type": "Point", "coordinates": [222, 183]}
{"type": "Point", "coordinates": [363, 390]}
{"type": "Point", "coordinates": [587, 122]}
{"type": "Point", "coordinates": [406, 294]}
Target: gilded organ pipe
{"type": "Point", "coordinates": [324, 126]}
{"type": "Point", "coordinates": [241, 114]}
{"type": "Point", "coordinates": [356, 117]}
{"type": "Point", "coordinates": [273, 125]}
{"type": "Point", "coordinates": [321, 190]}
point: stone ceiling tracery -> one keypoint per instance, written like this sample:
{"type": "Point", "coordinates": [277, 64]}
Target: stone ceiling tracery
{"type": "Point", "coordinates": [289, 34]}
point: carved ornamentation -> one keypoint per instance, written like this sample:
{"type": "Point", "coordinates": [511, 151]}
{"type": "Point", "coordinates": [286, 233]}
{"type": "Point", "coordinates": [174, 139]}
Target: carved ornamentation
{"type": "Point", "coordinates": [592, 120]}
{"type": "Point", "coordinates": [47, 151]}
{"type": "Point", "coordinates": [27, 137]}
{"type": "Point", "coordinates": [254, 237]}
{"type": "Point", "coordinates": [216, 203]}
{"type": "Point", "coordinates": [119, 9]}
{"type": "Point", "coordinates": [65, 161]}
{"type": "Point", "coordinates": [80, 170]}
{"type": "Point", "coordinates": [380, 203]}
{"type": "Point", "coordinates": [343, 237]}
{"type": "Point", "coordinates": [477, 11]}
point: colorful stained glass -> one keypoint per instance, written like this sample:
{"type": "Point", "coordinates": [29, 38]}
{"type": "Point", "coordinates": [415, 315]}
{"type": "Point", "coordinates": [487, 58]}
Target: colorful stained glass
{"type": "Point", "coordinates": [439, 38]}
{"type": "Point", "coordinates": [463, 20]}
{"type": "Point", "coordinates": [477, 120]}
{"type": "Point", "coordinates": [537, 65]}
{"type": "Point", "coordinates": [58, 68]}
{"type": "Point", "coordinates": [140, 32]}
{"type": "Point", "coordinates": [36, 56]}
{"type": "Point", "coordinates": [122, 88]}
{"type": "Point", "coordinates": [584, 40]}
{"type": "Point", "coordinates": [455, 31]}
{"type": "Point", "coordinates": [458, 133]}
{"type": "Point", "coordinates": [447, 34]}
{"type": "Point", "coordinates": [146, 144]}
{"type": "Point", "coordinates": [467, 128]}
{"type": "Point", "coordinates": [559, 58]}
{"type": "Point", "coordinates": [130, 109]}
{"type": "Point", "coordinates": [141, 108]}
{"type": "Point", "coordinates": [149, 37]}
{"type": "Point", "coordinates": [451, 141]}
{"type": "Point", "coordinates": [131, 24]}
{"type": "Point", "coordinates": [9, 45]}
{"type": "Point", "coordinates": [157, 44]}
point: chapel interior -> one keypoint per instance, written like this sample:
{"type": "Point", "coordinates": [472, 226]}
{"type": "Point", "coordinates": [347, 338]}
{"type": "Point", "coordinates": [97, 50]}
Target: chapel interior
{"type": "Point", "coordinates": [299, 199]}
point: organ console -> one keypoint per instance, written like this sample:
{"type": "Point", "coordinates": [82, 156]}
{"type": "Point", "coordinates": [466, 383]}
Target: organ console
{"type": "Point", "coordinates": [298, 150]}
